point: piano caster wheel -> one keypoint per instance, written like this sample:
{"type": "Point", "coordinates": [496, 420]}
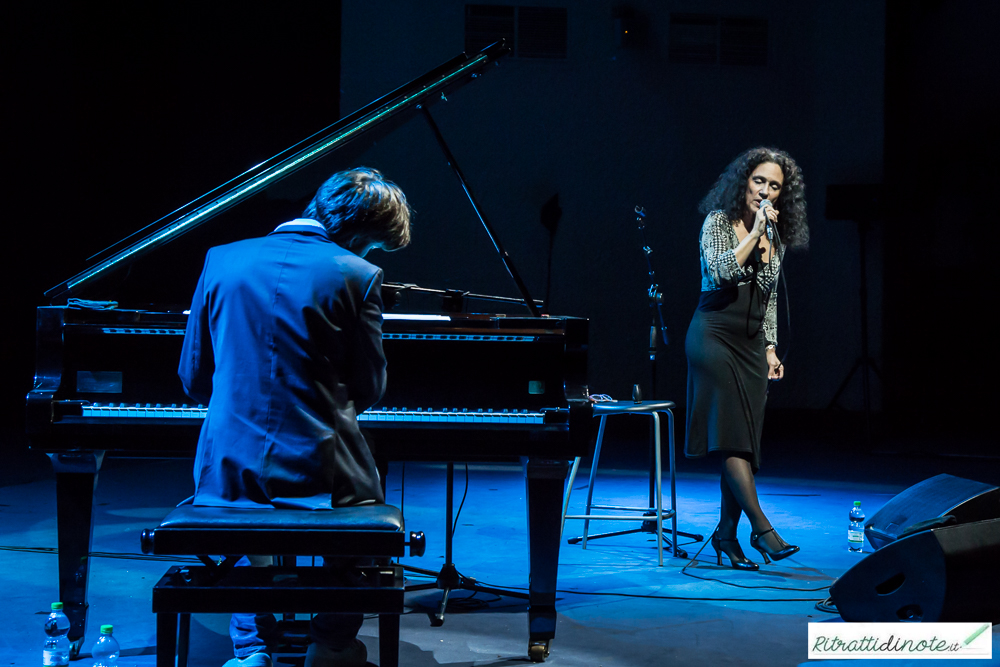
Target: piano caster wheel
{"type": "Point", "coordinates": [538, 650]}
{"type": "Point", "coordinates": [74, 648]}
{"type": "Point", "coordinates": [436, 621]}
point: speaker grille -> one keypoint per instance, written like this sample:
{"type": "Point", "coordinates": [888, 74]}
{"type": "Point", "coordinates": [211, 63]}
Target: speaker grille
{"type": "Point", "coordinates": [965, 499]}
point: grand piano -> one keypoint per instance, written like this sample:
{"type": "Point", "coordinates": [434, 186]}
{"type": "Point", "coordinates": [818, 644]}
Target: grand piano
{"type": "Point", "coordinates": [106, 381]}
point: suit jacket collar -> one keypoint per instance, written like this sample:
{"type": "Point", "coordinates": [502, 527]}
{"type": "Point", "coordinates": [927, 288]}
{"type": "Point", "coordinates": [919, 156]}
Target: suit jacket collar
{"type": "Point", "coordinates": [302, 226]}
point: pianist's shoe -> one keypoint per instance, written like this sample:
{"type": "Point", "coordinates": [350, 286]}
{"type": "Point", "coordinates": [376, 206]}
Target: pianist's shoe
{"type": "Point", "coordinates": [259, 659]}
{"type": "Point", "coordinates": [355, 655]}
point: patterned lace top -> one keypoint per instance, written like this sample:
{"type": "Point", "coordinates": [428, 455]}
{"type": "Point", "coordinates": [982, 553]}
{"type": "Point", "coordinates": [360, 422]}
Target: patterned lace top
{"type": "Point", "coordinates": [720, 269]}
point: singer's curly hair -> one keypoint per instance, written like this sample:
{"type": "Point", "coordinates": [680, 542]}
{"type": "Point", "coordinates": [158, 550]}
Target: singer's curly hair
{"type": "Point", "coordinates": [728, 193]}
{"type": "Point", "coordinates": [360, 206]}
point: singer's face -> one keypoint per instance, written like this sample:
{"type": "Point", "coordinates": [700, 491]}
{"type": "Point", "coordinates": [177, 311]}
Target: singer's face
{"type": "Point", "coordinates": [764, 183]}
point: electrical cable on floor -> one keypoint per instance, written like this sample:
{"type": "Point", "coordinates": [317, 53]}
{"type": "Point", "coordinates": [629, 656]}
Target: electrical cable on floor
{"type": "Point", "coordinates": [828, 606]}
{"type": "Point", "coordinates": [479, 602]}
{"type": "Point", "coordinates": [470, 602]}
{"type": "Point", "coordinates": [693, 559]}
{"type": "Point", "coordinates": [369, 617]}
{"type": "Point", "coordinates": [461, 504]}
{"type": "Point", "coordinates": [663, 597]}
{"type": "Point", "coordinates": [456, 605]}
{"type": "Point", "coordinates": [103, 554]}
{"type": "Point", "coordinates": [454, 527]}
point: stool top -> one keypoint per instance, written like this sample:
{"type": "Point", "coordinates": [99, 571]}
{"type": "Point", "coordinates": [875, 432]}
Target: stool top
{"type": "Point", "coordinates": [358, 517]}
{"type": "Point", "coordinates": [604, 408]}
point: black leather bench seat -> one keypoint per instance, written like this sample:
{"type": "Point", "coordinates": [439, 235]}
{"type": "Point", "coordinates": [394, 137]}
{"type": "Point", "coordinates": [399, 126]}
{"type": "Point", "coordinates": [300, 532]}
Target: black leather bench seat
{"type": "Point", "coordinates": [363, 530]}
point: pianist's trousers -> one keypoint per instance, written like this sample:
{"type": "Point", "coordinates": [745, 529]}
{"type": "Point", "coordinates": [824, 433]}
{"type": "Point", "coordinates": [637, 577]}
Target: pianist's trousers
{"type": "Point", "coordinates": [251, 633]}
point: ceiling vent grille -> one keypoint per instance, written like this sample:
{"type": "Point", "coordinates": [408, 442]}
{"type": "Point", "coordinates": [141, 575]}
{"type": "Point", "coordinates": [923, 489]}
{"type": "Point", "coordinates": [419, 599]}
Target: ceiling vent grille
{"type": "Point", "coordinates": [694, 39]}
{"type": "Point", "coordinates": [486, 24]}
{"type": "Point", "coordinates": [708, 39]}
{"type": "Point", "coordinates": [541, 32]}
{"type": "Point", "coordinates": [531, 32]}
{"type": "Point", "coordinates": [742, 40]}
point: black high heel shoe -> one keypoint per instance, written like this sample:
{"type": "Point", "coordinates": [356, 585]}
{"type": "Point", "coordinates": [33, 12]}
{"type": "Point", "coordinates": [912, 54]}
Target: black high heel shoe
{"type": "Point", "coordinates": [765, 551]}
{"type": "Point", "coordinates": [736, 558]}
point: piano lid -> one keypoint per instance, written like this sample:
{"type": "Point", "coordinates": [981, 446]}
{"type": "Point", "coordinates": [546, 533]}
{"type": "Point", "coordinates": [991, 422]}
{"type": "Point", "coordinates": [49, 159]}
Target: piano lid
{"type": "Point", "coordinates": [422, 91]}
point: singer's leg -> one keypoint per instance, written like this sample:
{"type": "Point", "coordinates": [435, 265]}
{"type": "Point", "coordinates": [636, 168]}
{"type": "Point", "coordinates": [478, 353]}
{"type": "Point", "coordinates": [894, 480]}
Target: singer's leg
{"type": "Point", "coordinates": [729, 517]}
{"type": "Point", "coordinates": [738, 474]}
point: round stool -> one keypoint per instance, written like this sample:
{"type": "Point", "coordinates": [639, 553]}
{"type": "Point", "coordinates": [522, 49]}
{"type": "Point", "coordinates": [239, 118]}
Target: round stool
{"type": "Point", "coordinates": [604, 409]}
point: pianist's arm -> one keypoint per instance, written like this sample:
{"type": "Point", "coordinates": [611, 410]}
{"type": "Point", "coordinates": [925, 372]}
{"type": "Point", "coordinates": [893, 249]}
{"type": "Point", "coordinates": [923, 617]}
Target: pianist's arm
{"type": "Point", "coordinates": [367, 382]}
{"type": "Point", "coordinates": [197, 360]}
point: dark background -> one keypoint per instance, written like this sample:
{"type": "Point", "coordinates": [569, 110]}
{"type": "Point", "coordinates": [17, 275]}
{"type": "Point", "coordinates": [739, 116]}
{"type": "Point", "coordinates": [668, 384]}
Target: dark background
{"type": "Point", "coordinates": [120, 114]}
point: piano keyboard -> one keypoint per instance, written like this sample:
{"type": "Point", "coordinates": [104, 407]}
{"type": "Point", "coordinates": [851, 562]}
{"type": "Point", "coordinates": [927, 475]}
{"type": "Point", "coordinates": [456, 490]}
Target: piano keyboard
{"type": "Point", "coordinates": [386, 414]}
{"type": "Point", "coordinates": [144, 411]}
{"type": "Point", "coordinates": [452, 416]}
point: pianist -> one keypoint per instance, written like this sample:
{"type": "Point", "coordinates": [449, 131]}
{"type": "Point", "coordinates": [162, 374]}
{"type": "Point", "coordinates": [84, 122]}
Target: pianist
{"type": "Point", "coordinates": [284, 344]}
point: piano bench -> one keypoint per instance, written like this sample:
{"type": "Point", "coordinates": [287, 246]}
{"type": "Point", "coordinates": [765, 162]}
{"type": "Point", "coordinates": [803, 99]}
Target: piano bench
{"type": "Point", "coordinates": [373, 533]}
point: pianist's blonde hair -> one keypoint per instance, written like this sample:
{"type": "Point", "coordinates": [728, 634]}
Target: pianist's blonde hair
{"type": "Point", "coordinates": [360, 207]}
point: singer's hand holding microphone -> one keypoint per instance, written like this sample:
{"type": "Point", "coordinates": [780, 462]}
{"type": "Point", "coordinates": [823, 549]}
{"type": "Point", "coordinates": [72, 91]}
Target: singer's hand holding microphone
{"type": "Point", "coordinates": [767, 216]}
{"type": "Point", "coordinates": [766, 213]}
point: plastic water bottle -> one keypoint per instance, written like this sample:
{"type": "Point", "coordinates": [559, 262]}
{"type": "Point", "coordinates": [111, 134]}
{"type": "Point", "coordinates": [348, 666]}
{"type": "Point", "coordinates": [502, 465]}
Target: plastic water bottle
{"type": "Point", "coordinates": [856, 531]}
{"type": "Point", "coordinates": [56, 650]}
{"type": "Point", "coordinates": [106, 649]}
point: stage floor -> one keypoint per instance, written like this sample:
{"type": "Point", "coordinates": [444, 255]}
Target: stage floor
{"type": "Point", "coordinates": [616, 607]}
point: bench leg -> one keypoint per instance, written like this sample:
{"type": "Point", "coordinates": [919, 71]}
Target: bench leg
{"type": "Point", "coordinates": [166, 639]}
{"type": "Point", "coordinates": [388, 640]}
{"type": "Point", "coordinates": [183, 636]}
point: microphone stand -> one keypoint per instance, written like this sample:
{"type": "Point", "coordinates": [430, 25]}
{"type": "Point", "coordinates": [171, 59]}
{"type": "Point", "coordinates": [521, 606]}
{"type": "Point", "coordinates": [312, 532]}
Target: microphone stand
{"type": "Point", "coordinates": [656, 303]}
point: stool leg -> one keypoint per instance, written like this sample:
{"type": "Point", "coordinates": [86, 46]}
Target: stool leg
{"type": "Point", "coordinates": [673, 479]}
{"type": "Point", "coordinates": [593, 477]}
{"type": "Point", "coordinates": [388, 640]}
{"type": "Point", "coordinates": [659, 489]}
{"type": "Point", "coordinates": [183, 635]}
{"type": "Point", "coordinates": [569, 490]}
{"type": "Point", "coordinates": [166, 639]}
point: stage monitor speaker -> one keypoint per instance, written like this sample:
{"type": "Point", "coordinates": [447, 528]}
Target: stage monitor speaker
{"type": "Point", "coordinates": [932, 498]}
{"type": "Point", "coordinates": [938, 575]}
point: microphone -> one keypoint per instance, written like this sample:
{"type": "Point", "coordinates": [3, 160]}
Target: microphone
{"type": "Point", "coordinates": [765, 203]}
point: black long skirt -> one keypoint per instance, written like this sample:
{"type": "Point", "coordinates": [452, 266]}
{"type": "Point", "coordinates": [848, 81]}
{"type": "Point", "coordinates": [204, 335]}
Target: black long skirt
{"type": "Point", "coordinates": [727, 374]}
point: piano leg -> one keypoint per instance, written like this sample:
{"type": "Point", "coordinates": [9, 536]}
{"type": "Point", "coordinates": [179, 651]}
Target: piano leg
{"type": "Point", "coordinates": [76, 479]}
{"type": "Point", "coordinates": [545, 480]}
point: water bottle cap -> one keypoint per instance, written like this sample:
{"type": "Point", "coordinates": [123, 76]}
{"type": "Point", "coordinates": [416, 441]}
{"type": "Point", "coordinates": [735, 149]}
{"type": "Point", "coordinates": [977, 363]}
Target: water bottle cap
{"type": "Point", "coordinates": [857, 503]}
{"type": "Point", "coordinates": [56, 606]}
{"type": "Point", "coordinates": [107, 629]}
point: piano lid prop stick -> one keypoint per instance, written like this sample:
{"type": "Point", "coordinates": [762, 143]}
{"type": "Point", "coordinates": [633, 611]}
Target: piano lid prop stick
{"type": "Point", "coordinates": [504, 257]}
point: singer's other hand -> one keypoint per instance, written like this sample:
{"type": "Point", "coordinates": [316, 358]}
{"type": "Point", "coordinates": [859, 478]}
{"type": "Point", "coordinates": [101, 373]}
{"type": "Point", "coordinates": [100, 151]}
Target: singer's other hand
{"type": "Point", "coordinates": [775, 369]}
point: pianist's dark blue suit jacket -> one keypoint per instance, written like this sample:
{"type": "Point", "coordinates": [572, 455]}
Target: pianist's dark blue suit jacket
{"type": "Point", "coordinates": [284, 343]}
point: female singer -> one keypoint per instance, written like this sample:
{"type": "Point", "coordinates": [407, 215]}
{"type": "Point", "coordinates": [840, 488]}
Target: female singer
{"type": "Point", "coordinates": [731, 344]}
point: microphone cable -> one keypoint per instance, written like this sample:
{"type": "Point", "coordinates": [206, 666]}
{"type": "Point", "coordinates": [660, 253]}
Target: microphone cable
{"type": "Point", "coordinates": [782, 279]}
